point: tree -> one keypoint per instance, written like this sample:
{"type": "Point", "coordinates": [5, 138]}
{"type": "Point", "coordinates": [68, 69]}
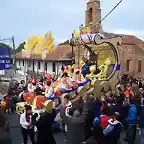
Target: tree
{"type": "Point", "coordinates": [20, 47]}
{"type": "Point", "coordinates": [65, 43]}
{"type": "Point", "coordinates": [5, 46]}
{"type": "Point", "coordinates": [2, 45]}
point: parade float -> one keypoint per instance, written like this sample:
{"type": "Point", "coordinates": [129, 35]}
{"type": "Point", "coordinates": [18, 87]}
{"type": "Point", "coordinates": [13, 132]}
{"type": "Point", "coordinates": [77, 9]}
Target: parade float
{"type": "Point", "coordinates": [102, 66]}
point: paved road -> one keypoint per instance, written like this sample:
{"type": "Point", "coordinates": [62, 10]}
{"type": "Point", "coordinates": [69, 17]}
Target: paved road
{"type": "Point", "coordinates": [16, 132]}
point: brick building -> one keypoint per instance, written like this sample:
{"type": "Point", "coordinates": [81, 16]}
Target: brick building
{"type": "Point", "coordinates": [132, 50]}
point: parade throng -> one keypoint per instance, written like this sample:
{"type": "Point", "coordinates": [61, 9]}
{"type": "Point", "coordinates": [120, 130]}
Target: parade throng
{"type": "Point", "coordinates": [88, 119]}
{"type": "Point", "coordinates": [61, 85]}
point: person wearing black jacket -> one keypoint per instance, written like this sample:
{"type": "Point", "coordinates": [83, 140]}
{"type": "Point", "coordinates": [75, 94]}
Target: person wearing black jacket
{"type": "Point", "coordinates": [93, 107]}
{"type": "Point", "coordinates": [4, 129]}
{"type": "Point", "coordinates": [44, 127]}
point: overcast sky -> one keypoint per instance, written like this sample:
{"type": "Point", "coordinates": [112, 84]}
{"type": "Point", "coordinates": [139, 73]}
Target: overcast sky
{"type": "Point", "coordinates": [24, 18]}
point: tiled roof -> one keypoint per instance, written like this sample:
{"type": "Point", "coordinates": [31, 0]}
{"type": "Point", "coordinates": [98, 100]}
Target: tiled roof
{"type": "Point", "coordinates": [128, 39]}
{"type": "Point", "coordinates": [59, 54]}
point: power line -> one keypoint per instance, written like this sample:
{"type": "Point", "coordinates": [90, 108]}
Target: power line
{"type": "Point", "coordinates": [109, 12]}
{"type": "Point", "coordinates": [5, 39]}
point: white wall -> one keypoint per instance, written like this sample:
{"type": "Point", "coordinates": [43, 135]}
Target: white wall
{"type": "Point", "coordinates": [19, 64]}
{"type": "Point", "coordinates": [49, 67]}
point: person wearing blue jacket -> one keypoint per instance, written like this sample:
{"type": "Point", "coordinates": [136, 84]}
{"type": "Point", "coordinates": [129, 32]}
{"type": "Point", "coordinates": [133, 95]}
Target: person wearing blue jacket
{"type": "Point", "coordinates": [141, 124]}
{"type": "Point", "coordinates": [132, 121]}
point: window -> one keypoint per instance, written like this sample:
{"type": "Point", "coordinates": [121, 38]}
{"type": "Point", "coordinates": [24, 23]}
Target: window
{"type": "Point", "coordinates": [29, 63]}
{"type": "Point", "coordinates": [127, 65]}
{"type": "Point", "coordinates": [33, 65]}
{"type": "Point", "coordinates": [45, 66]}
{"type": "Point", "coordinates": [23, 62]}
{"type": "Point", "coordinates": [139, 65]}
{"type": "Point", "coordinates": [90, 15]}
{"type": "Point", "coordinates": [39, 65]}
{"type": "Point", "coordinates": [54, 67]}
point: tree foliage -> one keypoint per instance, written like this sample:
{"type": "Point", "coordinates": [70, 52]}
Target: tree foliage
{"type": "Point", "coordinates": [65, 43]}
{"type": "Point", "coordinates": [2, 45]}
{"type": "Point", "coordinates": [20, 47]}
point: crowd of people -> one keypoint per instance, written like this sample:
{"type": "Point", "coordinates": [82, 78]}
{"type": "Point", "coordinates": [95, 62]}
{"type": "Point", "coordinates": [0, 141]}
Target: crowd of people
{"type": "Point", "coordinates": [92, 120]}
{"type": "Point", "coordinates": [88, 120]}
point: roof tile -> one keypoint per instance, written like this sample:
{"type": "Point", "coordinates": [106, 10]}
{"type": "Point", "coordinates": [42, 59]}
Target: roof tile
{"type": "Point", "coordinates": [60, 53]}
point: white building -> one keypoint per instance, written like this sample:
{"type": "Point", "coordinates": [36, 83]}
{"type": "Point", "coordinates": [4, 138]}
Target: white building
{"type": "Point", "coordinates": [51, 64]}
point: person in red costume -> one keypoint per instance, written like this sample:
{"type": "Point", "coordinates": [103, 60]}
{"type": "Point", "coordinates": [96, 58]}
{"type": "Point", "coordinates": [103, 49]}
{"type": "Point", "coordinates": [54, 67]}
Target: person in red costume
{"type": "Point", "coordinates": [26, 124]}
{"type": "Point", "coordinates": [32, 86]}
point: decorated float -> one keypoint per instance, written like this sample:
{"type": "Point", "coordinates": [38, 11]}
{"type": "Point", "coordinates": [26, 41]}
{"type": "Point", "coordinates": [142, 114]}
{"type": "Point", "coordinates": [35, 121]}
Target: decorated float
{"type": "Point", "coordinates": [84, 77]}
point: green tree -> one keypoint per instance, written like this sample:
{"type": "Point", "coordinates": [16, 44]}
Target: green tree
{"type": "Point", "coordinates": [65, 43]}
{"type": "Point", "coordinates": [20, 47]}
{"type": "Point", "coordinates": [2, 45]}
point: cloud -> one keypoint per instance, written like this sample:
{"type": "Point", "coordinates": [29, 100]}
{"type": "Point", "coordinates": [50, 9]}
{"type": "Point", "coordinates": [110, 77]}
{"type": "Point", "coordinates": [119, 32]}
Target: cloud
{"type": "Point", "coordinates": [30, 17]}
{"type": "Point", "coordinates": [128, 15]}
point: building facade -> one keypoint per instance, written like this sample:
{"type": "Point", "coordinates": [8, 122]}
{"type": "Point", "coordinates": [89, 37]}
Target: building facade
{"type": "Point", "coordinates": [51, 64]}
{"type": "Point", "coordinates": [131, 53]}
{"type": "Point", "coordinates": [132, 50]}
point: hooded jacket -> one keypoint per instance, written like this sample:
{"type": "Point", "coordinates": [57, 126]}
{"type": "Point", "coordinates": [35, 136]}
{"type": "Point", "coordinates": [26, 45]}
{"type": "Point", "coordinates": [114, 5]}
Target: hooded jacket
{"type": "Point", "coordinates": [75, 125]}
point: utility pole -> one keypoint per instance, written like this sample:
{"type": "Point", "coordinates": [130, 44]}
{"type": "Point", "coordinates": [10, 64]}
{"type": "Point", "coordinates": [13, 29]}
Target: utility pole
{"type": "Point", "coordinates": [73, 55]}
{"type": "Point", "coordinates": [14, 54]}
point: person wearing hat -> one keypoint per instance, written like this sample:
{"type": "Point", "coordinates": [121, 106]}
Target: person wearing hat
{"type": "Point", "coordinates": [32, 86]}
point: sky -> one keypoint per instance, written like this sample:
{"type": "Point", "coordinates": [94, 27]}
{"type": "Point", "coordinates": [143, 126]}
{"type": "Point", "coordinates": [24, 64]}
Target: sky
{"type": "Point", "coordinates": [24, 18]}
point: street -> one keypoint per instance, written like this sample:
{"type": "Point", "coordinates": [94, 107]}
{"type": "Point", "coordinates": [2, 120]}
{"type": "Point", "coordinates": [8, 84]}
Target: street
{"type": "Point", "coordinates": [16, 130]}
{"type": "Point", "coordinates": [17, 138]}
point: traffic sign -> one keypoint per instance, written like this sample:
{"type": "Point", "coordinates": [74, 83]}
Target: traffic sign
{"type": "Point", "coordinates": [5, 58]}
{"type": "Point", "coordinates": [5, 63]}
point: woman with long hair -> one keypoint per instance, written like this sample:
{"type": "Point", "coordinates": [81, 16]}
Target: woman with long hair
{"type": "Point", "coordinates": [26, 124]}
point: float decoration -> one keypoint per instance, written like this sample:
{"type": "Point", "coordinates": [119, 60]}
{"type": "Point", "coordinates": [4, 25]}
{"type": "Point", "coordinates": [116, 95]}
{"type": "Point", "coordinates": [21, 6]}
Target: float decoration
{"type": "Point", "coordinates": [30, 45]}
{"type": "Point", "coordinates": [85, 38]}
{"type": "Point", "coordinates": [40, 45]}
{"type": "Point", "coordinates": [76, 85]}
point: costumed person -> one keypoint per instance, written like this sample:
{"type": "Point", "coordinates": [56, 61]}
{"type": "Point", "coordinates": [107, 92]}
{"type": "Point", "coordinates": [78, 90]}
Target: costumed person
{"type": "Point", "coordinates": [49, 91]}
{"type": "Point", "coordinates": [44, 127]}
{"type": "Point", "coordinates": [61, 71]}
{"type": "Point", "coordinates": [67, 104]}
{"type": "Point", "coordinates": [85, 68]}
{"type": "Point", "coordinates": [6, 104]}
{"type": "Point", "coordinates": [22, 84]}
{"type": "Point", "coordinates": [27, 126]}
{"type": "Point", "coordinates": [32, 86]}
{"type": "Point", "coordinates": [79, 77]}
{"type": "Point", "coordinates": [41, 82]}
{"type": "Point", "coordinates": [71, 79]}
{"type": "Point", "coordinates": [63, 84]}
